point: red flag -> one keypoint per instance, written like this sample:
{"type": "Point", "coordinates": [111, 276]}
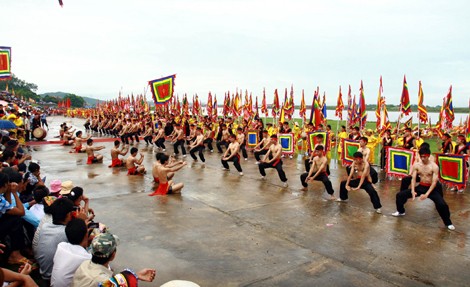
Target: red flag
{"type": "Point", "coordinates": [362, 108]}
{"type": "Point", "coordinates": [339, 105]}
{"type": "Point", "coordinates": [422, 112]}
{"type": "Point", "coordinates": [303, 107]}
{"type": "Point", "coordinates": [405, 99]}
{"type": "Point", "coordinates": [379, 105]}
{"type": "Point", "coordinates": [209, 104]}
{"type": "Point", "coordinates": [264, 106]}
{"type": "Point", "coordinates": [275, 108]}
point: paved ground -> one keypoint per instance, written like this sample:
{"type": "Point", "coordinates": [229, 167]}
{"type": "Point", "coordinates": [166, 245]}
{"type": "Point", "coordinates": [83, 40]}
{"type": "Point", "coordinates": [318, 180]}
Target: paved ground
{"type": "Point", "coordinates": [231, 230]}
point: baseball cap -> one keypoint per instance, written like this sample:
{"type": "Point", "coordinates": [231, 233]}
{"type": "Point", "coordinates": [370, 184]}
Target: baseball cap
{"type": "Point", "coordinates": [104, 244]}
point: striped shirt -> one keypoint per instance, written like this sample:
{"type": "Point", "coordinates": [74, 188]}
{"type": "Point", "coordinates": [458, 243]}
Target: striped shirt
{"type": "Point", "coordinates": [4, 205]}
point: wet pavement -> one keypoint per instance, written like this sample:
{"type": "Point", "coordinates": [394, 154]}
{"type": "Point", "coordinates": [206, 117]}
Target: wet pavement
{"type": "Point", "coordinates": [231, 230]}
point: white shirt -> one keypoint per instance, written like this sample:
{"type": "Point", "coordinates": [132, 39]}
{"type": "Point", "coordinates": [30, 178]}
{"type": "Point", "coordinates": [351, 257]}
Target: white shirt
{"type": "Point", "coordinates": [37, 210]}
{"type": "Point", "coordinates": [67, 259]}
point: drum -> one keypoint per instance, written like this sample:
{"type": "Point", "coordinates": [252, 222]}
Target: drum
{"type": "Point", "coordinates": [39, 133]}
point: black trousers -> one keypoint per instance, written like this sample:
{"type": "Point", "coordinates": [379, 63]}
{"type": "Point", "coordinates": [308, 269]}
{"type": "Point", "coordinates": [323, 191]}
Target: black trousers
{"type": "Point", "coordinates": [436, 196]}
{"type": "Point", "coordinates": [236, 162]}
{"type": "Point", "coordinates": [209, 143]}
{"type": "Point", "coordinates": [219, 145]}
{"type": "Point", "coordinates": [277, 164]}
{"type": "Point", "coordinates": [199, 149]}
{"type": "Point", "coordinates": [258, 154]}
{"type": "Point", "coordinates": [160, 143]}
{"type": "Point", "coordinates": [323, 177]}
{"type": "Point", "coordinates": [367, 186]}
{"type": "Point", "coordinates": [179, 143]}
{"type": "Point", "coordinates": [243, 149]}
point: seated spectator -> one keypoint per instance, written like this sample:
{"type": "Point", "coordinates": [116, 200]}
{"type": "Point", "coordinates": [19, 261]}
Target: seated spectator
{"type": "Point", "coordinates": [95, 271]}
{"type": "Point", "coordinates": [55, 187]}
{"type": "Point", "coordinates": [51, 235]}
{"type": "Point", "coordinates": [14, 279]}
{"type": "Point", "coordinates": [38, 195]}
{"type": "Point", "coordinates": [47, 218]}
{"type": "Point", "coordinates": [11, 223]}
{"type": "Point", "coordinates": [70, 255]}
{"type": "Point", "coordinates": [32, 179]}
{"type": "Point", "coordinates": [76, 196]}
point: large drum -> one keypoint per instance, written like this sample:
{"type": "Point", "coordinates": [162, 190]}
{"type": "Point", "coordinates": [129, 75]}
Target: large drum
{"type": "Point", "coordinates": [39, 133]}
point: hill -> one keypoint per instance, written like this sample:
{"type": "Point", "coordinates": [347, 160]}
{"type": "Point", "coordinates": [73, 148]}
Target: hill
{"type": "Point", "coordinates": [89, 101]}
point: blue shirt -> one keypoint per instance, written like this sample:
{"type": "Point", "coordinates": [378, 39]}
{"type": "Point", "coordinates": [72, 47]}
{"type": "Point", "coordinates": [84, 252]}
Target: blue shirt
{"type": "Point", "coordinates": [4, 205]}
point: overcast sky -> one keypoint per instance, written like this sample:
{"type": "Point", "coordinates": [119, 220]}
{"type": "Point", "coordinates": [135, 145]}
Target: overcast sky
{"type": "Point", "coordinates": [95, 48]}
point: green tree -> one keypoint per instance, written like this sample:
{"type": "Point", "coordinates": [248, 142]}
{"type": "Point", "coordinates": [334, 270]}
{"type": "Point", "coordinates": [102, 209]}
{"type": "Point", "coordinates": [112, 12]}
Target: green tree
{"type": "Point", "coordinates": [75, 101]}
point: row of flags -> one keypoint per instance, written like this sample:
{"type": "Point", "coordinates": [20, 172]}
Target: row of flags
{"type": "Point", "coordinates": [248, 108]}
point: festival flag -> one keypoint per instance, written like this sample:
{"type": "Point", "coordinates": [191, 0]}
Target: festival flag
{"type": "Point", "coordinates": [405, 105]}
{"type": "Point", "coordinates": [440, 120]}
{"type": "Point", "coordinates": [256, 111]}
{"type": "Point", "coordinates": [452, 170]}
{"type": "Point", "coordinates": [275, 108]}
{"type": "Point", "coordinates": [315, 113]}
{"type": "Point", "coordinates": [5, 63]}
{"type": "Point", "coordinates": [349, 147]}
{"type": "Point", "coordinates": [303, 107]}
{"type": "Point", "coordinates": [422, 112]}
{"type": "Point", "coordinates": [350, 108]}
{"type": "Point", "coordinates": [409, 123]}
{"type": "Point", "coordinates": [185, 105]}
{"type": "Point", "coordinates": [467, 129]}
{"type": "Point", "coordinates": [362, 108]}
{"type": "Point", "coordinates": [353, 111]}
{"type": "Point", "coordinates": [378, 109]}
{"type": "Point", "coordinates": [384, 121]}
{"type": "Point", "coordinates": [162, 89]}
{"type": "Point", "coordinates": [449, 109]}
{"type": "Point", "coordinates": [214, 114]}
{"type": "Point", "coordinates": [339, 105]}
{"type": "Point", "coordinates": [264, 106]}
{"type": "Point", "coordinates": [236, 108]}
{"type": "Point", "coordinates": [399, 161]}
{"type": "Point", "coordinates": [323, 109]}
{"type": "Point", "coordinates": [209, 104]}
{"type": "Point", "coordinates": [290, 107]}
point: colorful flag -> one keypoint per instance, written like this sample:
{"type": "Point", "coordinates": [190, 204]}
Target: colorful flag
{"type": "Point", "coordinates": [405, 105]}
{"type": "Point", "coordinates": [264, 106]}
{"type": "Point", "coordinates": [215, 107]}
{"type": "Point", "coordinates": [362, 108]}
{"type": "Point", "coordinates": [303, 107]}
{"type": "Point", "coordinates": [350, 108]}
{"type": "Point", "coordinates": [399, 161]}
{"type": "Point", "coordinates": [323, 108]}
{"type": "Point", "coordinates": [349, 148]}
{"type": "Point", "coordinates": [315, 113]}
{"type": "Point", "coordinates": [409, 123]}
{"type": "Point", "coordinates": [422, 112]}
{"type": "Point", "coordinates": [275, 108]}
{"type": "Point", "coordinates": [449, 109]}
{"type": "Point", "coordinates": [162, 89]}
{"type": "Point", "coordinates": [5, 63]}
{"type": "Point", "coordinates": [209, 104]}
{"type": "Point", "coordinates": [339, 105]}
{"type": "Point", "coordinates": [452, 170]}
{"type": "Point", "coordinates": [384, 121]}
{"type": "Point", "coordinates": [378, 109]}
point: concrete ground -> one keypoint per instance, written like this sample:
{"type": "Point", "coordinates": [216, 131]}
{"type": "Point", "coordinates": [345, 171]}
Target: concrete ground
{"type": "Point", "coordinates": [231, 230]}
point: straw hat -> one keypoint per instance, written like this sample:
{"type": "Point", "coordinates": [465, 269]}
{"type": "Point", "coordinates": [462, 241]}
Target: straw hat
{"type": "Point", "coordinates": [66, 187]}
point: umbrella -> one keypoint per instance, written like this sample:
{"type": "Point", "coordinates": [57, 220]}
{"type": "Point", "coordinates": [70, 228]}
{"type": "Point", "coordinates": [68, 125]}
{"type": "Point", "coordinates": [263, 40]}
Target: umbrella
{"type": "Point", "coordinates": [7, 125]}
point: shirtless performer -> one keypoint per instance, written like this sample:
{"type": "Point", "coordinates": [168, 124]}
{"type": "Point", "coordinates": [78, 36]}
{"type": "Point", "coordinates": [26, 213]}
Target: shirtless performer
{"type": "Point", "coordinates": [161, 170]}
{"type": "Point", "coordinates": [272, 159]}
{"type": "Point", "coordinates": [78, 142]}
{"type": "Point", "coordinates": [178, 140]}
{"type": "Point", "coordinates": [159, 138]}
{"type": "Point", "coordinates": [224, 140]}
{"type": "Point", "coordinates": [241, 139]}
{"type": "Point", "coordinates": [359, 177]}
{"type": "Point", "coordinates": [231, 154]}
{"type": "Point", "coordinates": [366, 157]}
{"type": "Point", "coordinates": [428, 187]}
{"type": "Point", "coordinates": [262, 147]}
{"type": "Point", "coordinates": [90, 149]}
{"type": "Point", "coordinates": [209, 137]}
{"type": "Point", "coordinates": [318, 172]}
{"type": "Point", "coordinates": [197, 146]}
{"type": "Point", "coordinates": [124, 132]}
{"type": "Point", "coordinates": [134, 166]}
{"type": "Point", "coordinates": [116, 152]}
{"type": "Point", "coordinates": [67, 136]}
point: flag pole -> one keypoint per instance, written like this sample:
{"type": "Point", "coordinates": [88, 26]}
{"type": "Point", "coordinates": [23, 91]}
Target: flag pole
{"type": "Point", "coordinates": [336, 145]}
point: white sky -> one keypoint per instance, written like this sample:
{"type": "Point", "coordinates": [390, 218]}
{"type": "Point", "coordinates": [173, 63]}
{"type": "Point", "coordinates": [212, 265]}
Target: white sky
{"type": "Point", "coordinates": [93, 48]}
